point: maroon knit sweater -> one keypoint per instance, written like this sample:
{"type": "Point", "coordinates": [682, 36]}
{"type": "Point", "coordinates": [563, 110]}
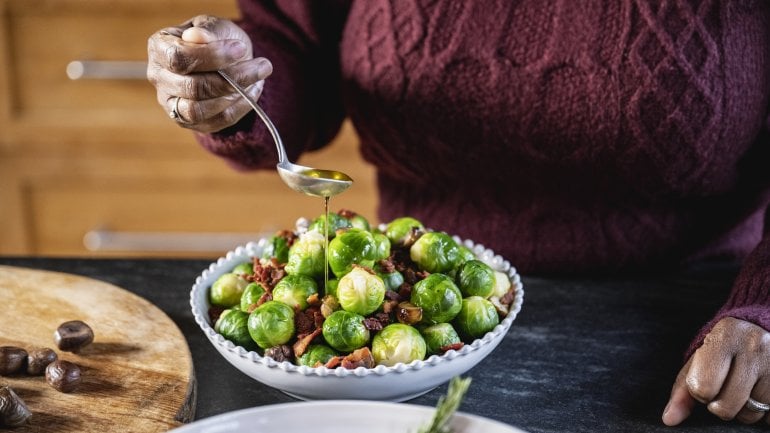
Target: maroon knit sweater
{"type": "Point", "coordinates": [568, 136]}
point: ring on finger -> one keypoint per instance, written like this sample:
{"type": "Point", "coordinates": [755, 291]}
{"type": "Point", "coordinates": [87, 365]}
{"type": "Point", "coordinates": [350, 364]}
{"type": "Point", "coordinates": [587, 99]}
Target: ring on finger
{"type": "Point", "coordinates": [756, 406]}
{"type": "Point", "coordinates": [174, 113]}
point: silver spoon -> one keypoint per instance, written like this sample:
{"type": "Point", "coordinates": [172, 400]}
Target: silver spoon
{"type": "Point", "coordinates": [307, 180]}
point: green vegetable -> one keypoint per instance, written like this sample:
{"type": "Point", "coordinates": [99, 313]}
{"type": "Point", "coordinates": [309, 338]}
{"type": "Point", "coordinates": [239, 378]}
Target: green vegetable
{"type": "Point", "coordinates": [293, 290]}
{"type": "Point", "coordinates": [435, 252]}
{"type": "Point", "coordinates": [476, 278]}
{"type": "Point", "coordinates": [439, 298]}
{"type": "Point", "coordinates": [438, 336]}
{"type": "Point", "coordinates": [271, 324]}
{"type": "Point", "coordinates": [315, 354]}
{"type": "Point", "coordinates": [400, 229]}
{"type": "Point", "coordinates": [227, 290]}
{"type": "Point", "coordinates": [381, 246]}
{"type": "Point", "coordinates": [306, 255]}
{"type": "Point", "coordinates": [233, 325]}
{"type": "Point", "coordinates": [345, 331]}
{"type": "Point", "coordinates": [251, 295]}
{"type": "Point", "coordinates": [360, 291]}
{"type": "Point", "coordinates": [354, 246]}
{"type": "Point", "coordinates": [393, 280]}
{"type": "Point", "coordinates": [337, 222]}
{"type": "Point", "coordinates": [476, 317]}
{"type": "Point", "coordinates": [245, 268]}
{"type": "Point", "coordinates": [277, 247]}
{"type": "Point", "coordinates": [398, 343]}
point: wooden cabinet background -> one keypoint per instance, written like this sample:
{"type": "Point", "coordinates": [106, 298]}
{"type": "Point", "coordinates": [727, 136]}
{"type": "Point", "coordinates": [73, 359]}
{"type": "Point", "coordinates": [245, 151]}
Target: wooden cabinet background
{"type": "Point", "coordinates": [100, 156]}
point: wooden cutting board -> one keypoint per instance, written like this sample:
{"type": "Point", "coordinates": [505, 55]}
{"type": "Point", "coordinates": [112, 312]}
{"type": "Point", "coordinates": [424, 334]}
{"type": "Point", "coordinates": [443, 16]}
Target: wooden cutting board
{"type": "Point", "coordinates": [137, 374]}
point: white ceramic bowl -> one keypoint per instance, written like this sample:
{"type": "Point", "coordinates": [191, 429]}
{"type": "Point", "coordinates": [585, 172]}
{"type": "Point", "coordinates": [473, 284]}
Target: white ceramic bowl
{"type": "Point", "coordinates": [397, 383]}
{"type": "Point", "coordinates": [339, 416]}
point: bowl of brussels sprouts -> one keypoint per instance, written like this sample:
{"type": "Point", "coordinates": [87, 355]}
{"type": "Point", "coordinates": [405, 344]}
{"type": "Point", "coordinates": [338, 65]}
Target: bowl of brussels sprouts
{"type": "Point", "coordinates": [340, 309]}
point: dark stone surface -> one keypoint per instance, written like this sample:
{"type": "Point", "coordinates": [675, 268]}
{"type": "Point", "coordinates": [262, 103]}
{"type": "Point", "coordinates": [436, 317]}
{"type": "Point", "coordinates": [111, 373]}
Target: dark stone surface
{"type": "Point", "coordinates": [584, 354]}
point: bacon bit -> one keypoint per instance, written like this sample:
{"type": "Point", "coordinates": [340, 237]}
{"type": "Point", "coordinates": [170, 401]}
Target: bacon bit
{"type": "Point", "coordinates": [288, 235]}
{"type": "Point", "coordinates": [333, 362]}
{"type": "Point", "coordinates": [387, 266]}
{"type": "Point", "coordinates": [448, 347]}
{"type": "Point", "coordinates": [359, 358]}
{"type": "Point", "coordinates": [372, 324]}
{"type": "Point", "coordinates": [347, 213]}
{"type": "Point", "coordinates": [304, 323]}
{"type": "Point", "coordinates": [280, 353]}
{"type": "Point", "coordinates": [300, 347]}
{"type": "Point", "coordinates": [383, 318]}
{"type": "Point", "coordinates": [214, 313]}
{"type": "Point", "coordinates": [365, 268]}
{"type": "Point", "coordinates": [410, 276]}
{"type": "Point", "coordinates": [266, 297]}
{"type": "Point", "coordinates": [318, 318]}
{"type": "Point", "coordinates": [421, 275]}
{"type": "Point", "coordinates": [268, 274]}
{"type": "Point", "coordinates": [405, 290]}
{"type": "Point", "coordinates": [314, 300]}
{"type": "Point", "coordinates": [389, 306]}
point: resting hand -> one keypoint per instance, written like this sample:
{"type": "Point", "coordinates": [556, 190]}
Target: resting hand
{"type": "Point", "coordinates": [732, 366]}
{"type": "Point", "coordinates": [183, 61]}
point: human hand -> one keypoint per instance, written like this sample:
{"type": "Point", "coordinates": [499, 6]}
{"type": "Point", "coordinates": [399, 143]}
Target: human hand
{"type": "Point", "coordinates": [731, 366]}
{"type": "Point", "coordinates": [182, 65]}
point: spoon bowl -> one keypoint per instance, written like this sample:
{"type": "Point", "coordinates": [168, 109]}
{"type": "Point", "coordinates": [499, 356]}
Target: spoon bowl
{"type": "Point", "coordinates": [313, 181]}
{"type": "Point", "coordinates": [307, 180]}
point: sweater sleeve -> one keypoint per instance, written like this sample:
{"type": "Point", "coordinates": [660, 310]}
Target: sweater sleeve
{"type": "Point", "coordinates": [301, 97]}
{"type": "Point", "coordinates": [749, 298]}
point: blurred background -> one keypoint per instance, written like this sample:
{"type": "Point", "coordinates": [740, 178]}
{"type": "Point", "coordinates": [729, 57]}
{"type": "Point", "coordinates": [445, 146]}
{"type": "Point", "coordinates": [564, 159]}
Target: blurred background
{"type": "Point", "coordinates": [90, 165]}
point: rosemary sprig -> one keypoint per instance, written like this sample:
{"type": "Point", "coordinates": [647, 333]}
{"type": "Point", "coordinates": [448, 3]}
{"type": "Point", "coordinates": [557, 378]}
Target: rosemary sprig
{"type": "Point", "coordinates": [447, 406]}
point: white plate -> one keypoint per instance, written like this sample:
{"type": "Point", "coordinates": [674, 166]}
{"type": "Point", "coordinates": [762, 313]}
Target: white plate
{"type": "Point", "coordinates": [397, 383]}
{"type": "Point", "coordinates": [338, 416]}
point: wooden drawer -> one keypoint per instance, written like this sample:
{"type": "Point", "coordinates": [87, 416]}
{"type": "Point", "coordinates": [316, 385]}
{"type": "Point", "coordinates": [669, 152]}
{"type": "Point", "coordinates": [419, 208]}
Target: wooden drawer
{"type": "Point", "coordinates": [42, 106]}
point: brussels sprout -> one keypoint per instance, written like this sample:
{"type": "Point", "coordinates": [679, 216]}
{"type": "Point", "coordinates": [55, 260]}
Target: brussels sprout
{"type": "Point", "coordinates": [359, 222]}
{"type": "Point", "coordinates": [345, 331]}
{"type": "Point", "coordinates": [277, 247]}
{"type": "Point", "coordinates": [400, 229]}
{"type": "Point", "coordinates": [293, 290]}
{"type": "Point", "coordinates": [465, 254]}
{"type": "Point", "coordinates": [439, 298]}
{"type": "Point", "coordinates": [398, 343]}
{"type": "Point", "coordinates": [227, 290]}
{"type": "Point", "coordinates": [271, 324]}
{"type": "Point", "coordinates": [233, 325]}
{"type": "Point", "coordinates": [502, 284]}
{"type": "Point", "coordinates": [438, 336]}
{"type": "Point", "coordinates": [306, 255]}
{"type": "Point", "coordinates": [435, 252]}
{"type": "Point", "coordinates": [360, 291]}
{"type": "Point", "coordinates": [251, 295]}
{"type": "Point", "coordinates": [393, 280]}
{"type": "Point", "coordinates": [381, 246]}
{"type": "Point", "coordinates": [354, 246]}
{"type": "Point", "coordinates": [477, 317]}
{"type": "Point", "coordinates": [317, 354]}
{"type": "Point", "coordinates": [336, 222]}
{"type": "Point", "coordinates": [245, 268]}
{"type": "Point", "coordinates": [476, 278]}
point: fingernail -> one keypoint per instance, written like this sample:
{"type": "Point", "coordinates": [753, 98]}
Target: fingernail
{"type": "Point", "coordinates": [236, 49]}
{"type": "Point", "coordinates": [665, 410]}
{"type": "Point", "coordinates": [265, 67]}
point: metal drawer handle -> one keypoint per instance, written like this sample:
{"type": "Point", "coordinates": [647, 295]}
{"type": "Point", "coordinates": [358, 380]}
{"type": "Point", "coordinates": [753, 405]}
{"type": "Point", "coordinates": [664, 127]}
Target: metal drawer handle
{"type": "Point", "coordinates": [107, 240]}
{"type": "Point", "coordinates": [107, 70]}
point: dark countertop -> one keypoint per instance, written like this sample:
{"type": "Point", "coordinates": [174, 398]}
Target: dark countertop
{"type": "Point", "coordinates": [584, 354]}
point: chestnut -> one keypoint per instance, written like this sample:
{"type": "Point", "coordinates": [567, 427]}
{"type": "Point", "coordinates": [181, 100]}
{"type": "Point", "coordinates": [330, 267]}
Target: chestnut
{"type": "Point", "coordinates": [73, 335]}
{"type": "Point", "coordinates": [38, 359]}
{"type": "Point", "coordinates": [12, 359]}
{"type": "Point", "coordinates": [64, 376]}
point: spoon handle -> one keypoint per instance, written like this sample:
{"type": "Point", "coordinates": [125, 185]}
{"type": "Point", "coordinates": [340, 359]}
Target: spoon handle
{"type": "Point", "coordinates": [262, 115]}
